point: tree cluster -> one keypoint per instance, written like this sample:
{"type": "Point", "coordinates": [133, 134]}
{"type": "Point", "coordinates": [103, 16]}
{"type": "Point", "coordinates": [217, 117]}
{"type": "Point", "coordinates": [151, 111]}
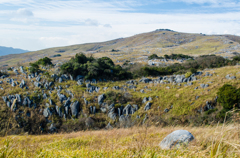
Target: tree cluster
{"type": "Point", "coordinates": [172, 56]}
{"type": "Point", "coordinates": [202, 62]}
{"type": "Point", "coordinates": [91, 68]}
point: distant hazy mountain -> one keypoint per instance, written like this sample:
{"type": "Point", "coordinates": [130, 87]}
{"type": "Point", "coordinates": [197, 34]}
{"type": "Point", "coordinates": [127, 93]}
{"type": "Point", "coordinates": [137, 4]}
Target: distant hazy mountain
{"type": "Point", "coordinates": [10, 50]}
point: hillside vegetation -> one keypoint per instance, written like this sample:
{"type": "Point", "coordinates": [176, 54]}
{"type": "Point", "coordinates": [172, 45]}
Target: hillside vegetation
{"type": "Point", "coordinates": [160, 42]}
{"type": "Point", "coordinates": [73, 99]}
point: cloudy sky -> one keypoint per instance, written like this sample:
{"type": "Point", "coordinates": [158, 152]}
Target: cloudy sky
{"type": "Point", "coordinates": [35, 24]}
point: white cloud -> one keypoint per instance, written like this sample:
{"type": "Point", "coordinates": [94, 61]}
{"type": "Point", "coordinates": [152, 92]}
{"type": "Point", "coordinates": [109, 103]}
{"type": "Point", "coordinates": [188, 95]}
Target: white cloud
{"type": "Point", "coordinates": [91, 22]}
{"type": "Point", "coordinates": [38, 25]}
{"type": "Point", "coordinates": [24, 12]}
{"type": "Point", "coordinates": [107, 26]}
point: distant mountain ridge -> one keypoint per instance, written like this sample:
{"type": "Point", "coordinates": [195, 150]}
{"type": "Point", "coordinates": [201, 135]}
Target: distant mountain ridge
{"type": "Point", "coordinates": [10, 50]}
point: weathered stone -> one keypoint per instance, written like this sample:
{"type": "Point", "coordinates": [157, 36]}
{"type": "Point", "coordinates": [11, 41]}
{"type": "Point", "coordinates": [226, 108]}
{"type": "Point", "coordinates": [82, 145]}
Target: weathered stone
{"type": "Point", "coordinates": [38, 79]}
{"type": "Point", "coordinates": [79, 82]}
{"type": "Point", "coordinates": [116, 88]}
{"type": "Point", "coordinates": [52, 128]}
{"type": "Point", "coordinates": [109, 126]}
{"type": "Point", "coordinates": [208, 106]}
{"type": "Point", "coordinates": [166, 110]}
{"type": "Point", "coordinates": [148, 106]}
{"type": "Point", "coordinates": [145, 99]}
{"type": "Point", "coordinates": [75, 108]}
{"type": "Point", "coordinates": [5, 99]}
{"type": "Point", "coordinates": [59, 111]}
{"type": "Point", "coordinates": [101, 99]}
{"type": "Point", "coordinates": [175, 139]}
{"type": "Point", "coordinates": [105, 88]}
{"type": "Point", "coordinates": [27, 101]}
{"type": "Point", "coordinates": [145, 80]}
{"type": "Point", "coordinates": [79, 77]}
{"type": "Point", "coordinates": [103, 109]}
{"type": "Point", "coordinates": [127, 110]}
{"type": "Point", "coordinates": [60, 80]}
{"type": "Point", "coordinates": [89, 122]}
{"type": "Point", "coordinates": [47, 112]}
{"type": "Point", "coordinates": [94, 110]}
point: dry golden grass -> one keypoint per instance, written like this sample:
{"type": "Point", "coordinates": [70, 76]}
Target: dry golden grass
{"type": "Point", "coordinates": [217, 141]}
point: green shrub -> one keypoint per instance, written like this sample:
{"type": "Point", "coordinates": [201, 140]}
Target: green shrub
{"type": "Point", "coordinates": [33, 67]}
{"type": "Point", "coordinates": [228, 96]}
{"type": "Point", "coordinates": [193, 70]}
{"type": "Point", "coordinates": [44, 61]}
{"type": "Point", "coordinates": [153, 56]}
{"type": "Point", "coordinates": [236, 58]}
{"type": "Point", "coordinates": [188, 74]}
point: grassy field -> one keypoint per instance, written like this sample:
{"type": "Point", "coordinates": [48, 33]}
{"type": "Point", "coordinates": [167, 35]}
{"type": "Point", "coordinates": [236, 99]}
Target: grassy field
{"type": "Point", "coordinates": [210, 141]}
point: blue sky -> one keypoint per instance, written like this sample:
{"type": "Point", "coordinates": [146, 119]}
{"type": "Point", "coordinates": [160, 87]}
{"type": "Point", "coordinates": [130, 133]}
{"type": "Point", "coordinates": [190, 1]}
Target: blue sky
{"type": "Point", "coordinates": [35, 25]}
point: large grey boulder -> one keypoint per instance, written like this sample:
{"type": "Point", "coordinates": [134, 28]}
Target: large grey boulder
{"type": "Point", "coordinates": [175, 139]}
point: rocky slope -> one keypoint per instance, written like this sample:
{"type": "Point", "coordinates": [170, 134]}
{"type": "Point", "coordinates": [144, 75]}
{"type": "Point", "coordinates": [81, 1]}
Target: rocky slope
{"type": "Point", "coordinates": [39, 103]}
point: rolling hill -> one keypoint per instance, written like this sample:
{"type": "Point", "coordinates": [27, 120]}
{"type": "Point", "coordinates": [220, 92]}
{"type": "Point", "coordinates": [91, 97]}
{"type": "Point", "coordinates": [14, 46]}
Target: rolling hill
{"type": "Point", "coordinates": [160, 42]}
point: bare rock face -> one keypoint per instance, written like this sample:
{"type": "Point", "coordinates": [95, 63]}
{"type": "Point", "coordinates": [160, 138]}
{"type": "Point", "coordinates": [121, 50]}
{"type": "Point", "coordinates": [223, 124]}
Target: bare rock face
{"type": "Point", "coordinates": [176, 138]}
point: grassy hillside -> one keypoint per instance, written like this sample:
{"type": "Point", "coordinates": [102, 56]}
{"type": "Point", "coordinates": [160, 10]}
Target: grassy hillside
{"type": "Point", "coordinates": [160, 42]}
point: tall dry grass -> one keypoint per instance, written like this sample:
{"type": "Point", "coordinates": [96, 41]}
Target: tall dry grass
{"type": "Point", "coordinates": [217, 141]}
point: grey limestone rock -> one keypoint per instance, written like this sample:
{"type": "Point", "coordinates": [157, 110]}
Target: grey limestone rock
{"type": "Point", "coordinates": [127, 110]}
{"type": "Point", "coordinates": [52, 128]}
{"type": "Point", "coordinates": [145, 80]}
{"type": "Point", "coordinates": [75, 108]}
{"type": "Point", "coordinates": [166, 110]}
{"type": "Point", "coordinates": [145, 99]}
{"type": "Point", "coordinates": [60, 80]}
{"type": "Point", "coordinates": [5, 99]}
{"type": "Point", "coordinates": [47, 112]}
{"type": "Point", "coordinates": [101, 99]}
{"type": "Point", "coordinates": [175, 139]}
{"type": "Point", "coordinates": [38, 79]}
{"type": "Point", "coordinates": [109, 126]}
{"type": "Point", "coordinates": [148, 106]}
{"type": "Point", "coordinates": [79, 77]}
